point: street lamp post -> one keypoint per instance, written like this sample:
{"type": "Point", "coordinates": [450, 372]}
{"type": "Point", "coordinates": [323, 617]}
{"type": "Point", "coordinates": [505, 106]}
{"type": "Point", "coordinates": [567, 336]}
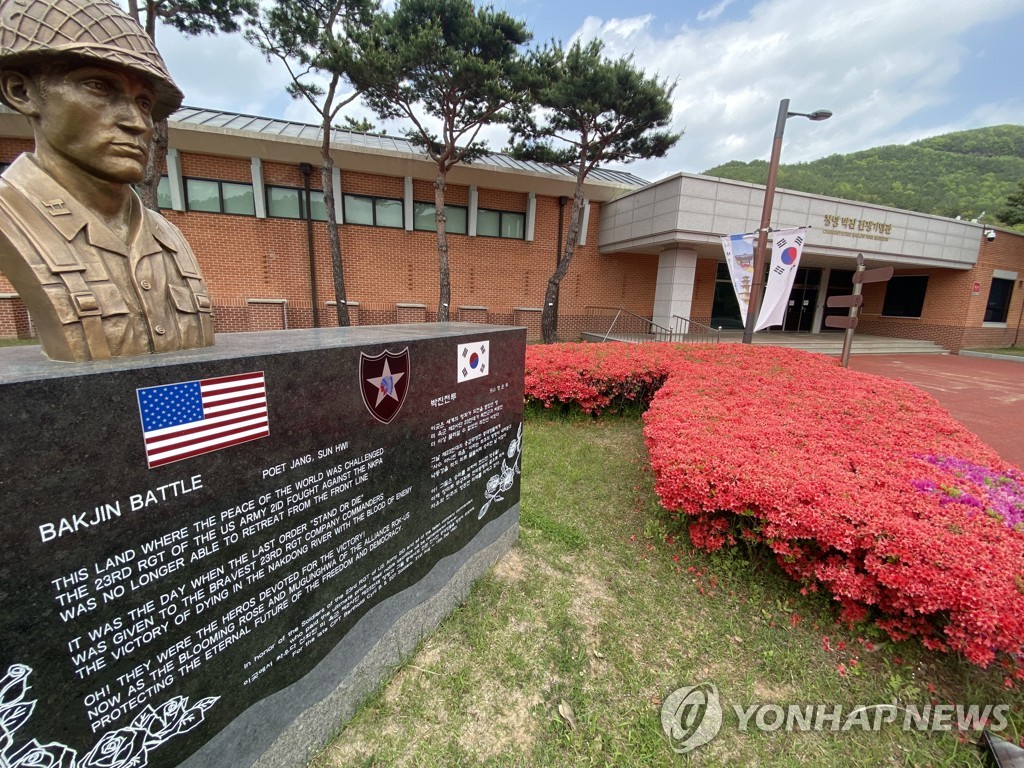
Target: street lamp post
{"type": "Point", "coordinates": [760, 250]}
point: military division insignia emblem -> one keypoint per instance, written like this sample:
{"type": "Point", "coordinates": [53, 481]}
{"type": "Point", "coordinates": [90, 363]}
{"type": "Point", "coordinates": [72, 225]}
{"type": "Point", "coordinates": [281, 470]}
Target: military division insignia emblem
{"type": "Point", "coordinates": [384, 382]}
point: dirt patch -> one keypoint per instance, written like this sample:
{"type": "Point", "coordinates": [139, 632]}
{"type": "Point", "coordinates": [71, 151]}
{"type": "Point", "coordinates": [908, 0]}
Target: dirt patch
{"type": "Point", "coordinates": [356, 743]}
{"type": "Point", "coordinates": [511, 566]}
{"type": "Point", "coordinates": [589, 600]}
{"type": "Point", "coordinates": [773, 694]}
{"type": "Point", "coordinates": [500, 720]}
{"type": "Point", "coordinates": [519, 565]}
{"type": "Point", "coordinates": [426, 663]}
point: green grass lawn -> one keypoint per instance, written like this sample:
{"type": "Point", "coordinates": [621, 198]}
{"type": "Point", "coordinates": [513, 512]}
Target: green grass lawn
{"type": "Point", "coordinates": [563, 654]}
{"type": "Point", "coordinates": [17, 342]}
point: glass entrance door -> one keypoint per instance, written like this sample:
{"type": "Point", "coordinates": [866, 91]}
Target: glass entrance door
{"type": "Point", "coordinates": [840, 283]}
{"type": "Point", "coordinates": [725, 310]}
{"type": "Point", "coordinates": [802, 300]}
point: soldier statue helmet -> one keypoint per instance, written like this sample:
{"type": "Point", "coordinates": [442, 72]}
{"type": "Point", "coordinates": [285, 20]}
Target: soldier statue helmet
{"type": "Point", "coordinates": [33, 31]}
{"type": "Point", "coordinates": [101, 275]}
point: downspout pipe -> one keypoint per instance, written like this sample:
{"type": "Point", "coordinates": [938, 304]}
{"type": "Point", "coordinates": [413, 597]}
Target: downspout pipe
{"type": "Point", "coordinates": [306, 169]}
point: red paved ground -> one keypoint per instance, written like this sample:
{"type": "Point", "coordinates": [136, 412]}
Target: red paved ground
{"type": "Point", "coordinates": [986, 396]}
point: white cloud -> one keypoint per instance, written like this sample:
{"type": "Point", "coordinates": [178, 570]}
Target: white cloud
{"type": "Point", "coordinates": [714, 12]}
{"type": "Point", "coordinates": [886, 68]}
{"type": "Point", "coordinates": [875, 66]}
{"type": "Point", "coordinates": [214, 69]}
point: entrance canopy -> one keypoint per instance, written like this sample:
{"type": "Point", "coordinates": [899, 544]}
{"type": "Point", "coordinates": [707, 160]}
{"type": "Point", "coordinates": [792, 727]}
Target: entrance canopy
{"type": "Point", "coordinates": [690, 212]}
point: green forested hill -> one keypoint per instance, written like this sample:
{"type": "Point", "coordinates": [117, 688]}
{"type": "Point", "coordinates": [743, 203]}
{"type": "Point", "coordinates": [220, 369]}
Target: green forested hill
{"type": "Point", "coordinates": [957, 174]}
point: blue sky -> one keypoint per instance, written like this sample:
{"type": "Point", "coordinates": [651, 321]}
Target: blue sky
{"type": "Point", "coordinates": [891, 71]}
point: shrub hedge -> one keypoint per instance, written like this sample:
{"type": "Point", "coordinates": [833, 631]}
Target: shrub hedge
{"type": "Point", "coordinates": [861, 485]}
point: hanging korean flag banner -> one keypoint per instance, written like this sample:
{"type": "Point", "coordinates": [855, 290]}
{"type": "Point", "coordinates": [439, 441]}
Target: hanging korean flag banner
{"type": "Point", "coordinates": [739, 255]}
{"type": "Point", "coordinates": [786, 251]}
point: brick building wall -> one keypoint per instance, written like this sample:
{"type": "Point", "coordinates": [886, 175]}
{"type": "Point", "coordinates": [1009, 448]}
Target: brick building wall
{"type": "Point", "coordinates": [11, 148]}
{"type": "Point", "coordinates": [259, 275]}
{"type": "Point", "coordinates": [953, 312]}
{"type": "Point", "coordinates": [14, 320]}
{"type": "Point", "coordinates": [11, 307]}
{"type": "Point", "coordinates": [703, 291]}
{"type": "Point", "coordinates": [259, 271]}
{"type": "Point", "coordinates": [218, 167]}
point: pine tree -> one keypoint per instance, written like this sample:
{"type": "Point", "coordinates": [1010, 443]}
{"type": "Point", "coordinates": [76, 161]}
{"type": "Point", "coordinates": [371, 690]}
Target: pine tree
{"type": "Point", "coordinates": [446, 63]}
{"type": "Point", "coordinates": [314, 41]}
{"type": "Point", "coordinates": [598, 110]}
{"type": "Point", "coordinates": [1012, 214]}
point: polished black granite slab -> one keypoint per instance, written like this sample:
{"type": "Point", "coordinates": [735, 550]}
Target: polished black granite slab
{"type": "Point", "coordinates": [202, 548]}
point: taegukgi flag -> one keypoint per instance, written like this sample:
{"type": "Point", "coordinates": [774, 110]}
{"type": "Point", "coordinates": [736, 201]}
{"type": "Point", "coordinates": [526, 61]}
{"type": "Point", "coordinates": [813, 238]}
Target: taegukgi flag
{"type": "Point", "coordinates": [739, 256]}
{"type": "Point", "coordinates": [191, 418]}
{"type": "Point", "coordinates": [472, 360]}
{"type": "Point", "coordinates": [787, 248]}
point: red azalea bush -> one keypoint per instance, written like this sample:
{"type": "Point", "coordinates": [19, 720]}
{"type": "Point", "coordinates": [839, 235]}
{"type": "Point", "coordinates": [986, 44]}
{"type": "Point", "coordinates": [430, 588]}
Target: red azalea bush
{"type": "Point", "coordinates": [841, 474]}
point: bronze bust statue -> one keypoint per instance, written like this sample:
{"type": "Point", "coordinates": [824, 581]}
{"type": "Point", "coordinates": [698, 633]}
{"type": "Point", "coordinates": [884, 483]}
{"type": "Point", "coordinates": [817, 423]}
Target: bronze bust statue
{"type": "Point", "coordinates": [101, 275]}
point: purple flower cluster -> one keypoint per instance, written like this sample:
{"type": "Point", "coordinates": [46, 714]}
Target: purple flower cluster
{"type": "Point", "coordinates": [1001, 493]}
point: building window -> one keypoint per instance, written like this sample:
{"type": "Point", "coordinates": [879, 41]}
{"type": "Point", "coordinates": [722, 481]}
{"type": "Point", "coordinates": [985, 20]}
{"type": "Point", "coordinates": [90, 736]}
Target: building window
{"type": "Point", "coordinates": [202, 195]}
{"type": "Point", "coordinates": [423, 218]}
{"type": "Point", "coordinates": [283, 203]}
{"type": "Point", "coordinates": [238, 199]}
{"type": "Point", "coordinates": [904, 296]}
{"type": "Point", "coordinates": [501, 224]}
{"type": "Point", "coordinates": [163, 193]}
{"type": "Point", "coordinates": [998, 305]}
{"type": "Point", "coordinates": [211, 196]}
{"type": "Point", "coordinates": [317, 206]}
{"type": "Point", "coordinates": [374, 211]}
{"type": "Point", "coordinates": [290, 203]}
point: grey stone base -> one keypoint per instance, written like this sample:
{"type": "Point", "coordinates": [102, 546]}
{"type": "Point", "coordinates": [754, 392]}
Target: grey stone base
{"type": "Point", "coordinates": [306, 714]}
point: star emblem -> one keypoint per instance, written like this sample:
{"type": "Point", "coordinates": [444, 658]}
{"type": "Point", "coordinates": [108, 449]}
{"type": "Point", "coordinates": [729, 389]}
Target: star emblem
{"type": "Point", "coordinates": [385, 383]}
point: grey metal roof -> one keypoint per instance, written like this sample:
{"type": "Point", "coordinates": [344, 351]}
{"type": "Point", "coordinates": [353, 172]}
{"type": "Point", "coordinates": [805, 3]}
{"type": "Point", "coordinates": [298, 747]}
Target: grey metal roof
{"type": "Point", "coordinates": [272, 127]}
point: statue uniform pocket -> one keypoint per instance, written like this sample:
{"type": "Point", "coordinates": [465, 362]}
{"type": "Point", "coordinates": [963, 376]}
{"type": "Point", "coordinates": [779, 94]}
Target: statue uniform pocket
{"type": "Point", "coordinates": [183, 298]}
{"type": "Point", "coordinates": [101, 299]}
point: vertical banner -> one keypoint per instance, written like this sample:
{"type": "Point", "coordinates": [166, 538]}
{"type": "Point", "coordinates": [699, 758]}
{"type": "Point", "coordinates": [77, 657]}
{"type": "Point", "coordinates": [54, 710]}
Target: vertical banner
{"type": "Point", "coordinates": [786, 251]}
{"type": "Point", "coordinates": [739, 255]}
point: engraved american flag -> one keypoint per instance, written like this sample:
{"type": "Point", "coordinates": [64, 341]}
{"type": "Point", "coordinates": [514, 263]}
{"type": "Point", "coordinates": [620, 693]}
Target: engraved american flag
{"type": "Point", "coordinates": [191, 418]}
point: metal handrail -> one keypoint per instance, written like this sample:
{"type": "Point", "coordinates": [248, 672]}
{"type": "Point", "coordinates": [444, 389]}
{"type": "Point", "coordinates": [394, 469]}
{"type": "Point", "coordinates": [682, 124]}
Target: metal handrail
{"type": "Point", "coordinates": [685, 327]}
{"type": "Point", "coordinates": [683, 330]}
{"type": "Point", "coordinates": [653, 329]}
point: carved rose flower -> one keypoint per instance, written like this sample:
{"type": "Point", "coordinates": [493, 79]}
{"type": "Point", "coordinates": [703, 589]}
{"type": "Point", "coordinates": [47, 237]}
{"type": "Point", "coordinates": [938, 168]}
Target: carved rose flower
{"type": "Point", "coordinates": [161, 723]}
{"type": "Point", "coordinates": [14, 684]}
{"type": "Point", "coordinates": [36, 755]}
{"type": "Point", "coordinates": [123, 748]}
{"type": "Point", "coordinates": [171, 718]}
{"type": "Point", "coordinates": [508, 476]}
{"type": "Point", "coordinates": [492, 487]}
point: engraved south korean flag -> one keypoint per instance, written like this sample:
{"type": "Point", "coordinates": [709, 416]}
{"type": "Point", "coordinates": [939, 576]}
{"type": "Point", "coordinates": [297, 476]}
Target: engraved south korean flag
{"type": "Point", "coordinates": [472, 360]}
{"type": "Point", "coordinates": [191, 418]}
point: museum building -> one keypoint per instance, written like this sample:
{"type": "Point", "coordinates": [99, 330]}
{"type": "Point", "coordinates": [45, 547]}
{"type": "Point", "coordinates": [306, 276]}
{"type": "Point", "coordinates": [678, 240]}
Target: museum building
{"type": "Point", "coordinates": [245, 191]}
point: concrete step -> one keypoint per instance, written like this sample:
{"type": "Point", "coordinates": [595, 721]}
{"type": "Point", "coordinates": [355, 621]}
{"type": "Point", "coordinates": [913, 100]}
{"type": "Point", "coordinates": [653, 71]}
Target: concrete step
{"type": "Point", "coordinates": [826, 344]}
{"type": "Point", "coordinates": [893, 347]}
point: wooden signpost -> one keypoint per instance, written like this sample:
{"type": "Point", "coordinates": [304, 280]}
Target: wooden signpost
{"type": "Point", "coordinates": [854, 301]}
